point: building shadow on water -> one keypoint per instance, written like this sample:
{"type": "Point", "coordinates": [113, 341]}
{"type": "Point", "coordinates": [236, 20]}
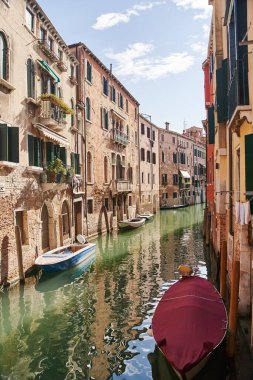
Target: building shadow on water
{"type": "Point", "coordinates": [4, 261]}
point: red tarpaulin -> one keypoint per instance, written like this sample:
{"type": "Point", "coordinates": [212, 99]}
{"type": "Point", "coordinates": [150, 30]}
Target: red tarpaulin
{"type": "Point", "coordinates": [189, 322]}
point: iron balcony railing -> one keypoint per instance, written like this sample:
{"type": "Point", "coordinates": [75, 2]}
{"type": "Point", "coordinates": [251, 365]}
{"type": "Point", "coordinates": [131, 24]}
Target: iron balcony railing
{"type": "Point", "coordinates": [48, 50]}
{"type": "Point", "coordinates": [119, 137]}
{"type": "Point", "coordinates": [52, 114]}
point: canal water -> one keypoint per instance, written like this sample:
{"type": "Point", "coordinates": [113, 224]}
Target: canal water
{"type": "Point", "coordinates": [90, 322]}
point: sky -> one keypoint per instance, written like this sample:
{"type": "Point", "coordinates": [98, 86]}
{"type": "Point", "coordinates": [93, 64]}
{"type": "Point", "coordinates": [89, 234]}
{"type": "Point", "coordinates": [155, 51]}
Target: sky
{"type": "Point", "coordinates": [156, 49]}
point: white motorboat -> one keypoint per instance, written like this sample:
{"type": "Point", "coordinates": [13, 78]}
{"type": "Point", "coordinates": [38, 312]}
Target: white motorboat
{"type": "Point", "coordinates": [131, 223]}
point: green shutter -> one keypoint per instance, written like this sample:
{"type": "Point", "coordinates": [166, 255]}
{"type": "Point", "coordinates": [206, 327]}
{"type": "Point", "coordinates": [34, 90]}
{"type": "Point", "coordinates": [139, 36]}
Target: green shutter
{"type": "Point", "coordinates": [3, 142]}
{"type": "Point", "coordinates": [77, 168]}
{"type": "Point", "coordinates": [211, 128]}
{"type": "Point", "coordinates": [56, 151]}
{"type": "Point", "coordinates": [13, 144]}
{"type": "Point", "coordinates": [63, 155]}
{"type": "Point", "coordinates": [249, 162]}
{"type": "Point", "coordinates": [222, 89]}
{"type": "Point", "coordinates": [50, 152]}
{"type": "Point", "coordinates": [30, 150]}
{"type": "Point", "coordinates": [36, 147]}
{"type": "Point", "coordinates": [72, 160]}
{"type": "Point", "coordinates": [106, 120]}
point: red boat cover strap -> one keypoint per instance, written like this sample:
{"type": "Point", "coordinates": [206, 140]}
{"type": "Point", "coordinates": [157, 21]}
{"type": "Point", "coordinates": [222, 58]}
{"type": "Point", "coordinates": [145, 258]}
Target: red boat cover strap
{"type": "Point", "coordinates": [189, 322]}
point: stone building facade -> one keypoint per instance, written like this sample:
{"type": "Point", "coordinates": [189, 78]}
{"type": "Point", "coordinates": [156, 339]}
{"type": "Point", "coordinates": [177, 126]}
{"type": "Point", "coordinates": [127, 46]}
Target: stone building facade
{"type": "Point", "coordinates": [182, 168]}
{"type": "Point", "coordinates": [110, 123]}
{"type": "Point", "coordinates": [149, 165]}
{"type": "Point", "coordinates": [36, 91]}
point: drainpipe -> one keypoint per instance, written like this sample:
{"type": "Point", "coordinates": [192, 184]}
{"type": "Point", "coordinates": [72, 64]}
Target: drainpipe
{"type": "Point", "coordinates": [139, 159]}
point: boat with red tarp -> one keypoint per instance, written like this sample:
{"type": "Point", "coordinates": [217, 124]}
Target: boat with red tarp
{"type": "Point", "coordinates": [189, 323]}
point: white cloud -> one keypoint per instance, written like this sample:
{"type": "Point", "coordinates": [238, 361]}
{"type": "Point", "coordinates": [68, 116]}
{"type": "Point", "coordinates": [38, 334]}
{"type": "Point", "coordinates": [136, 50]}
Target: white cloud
{"type": "Point", "coordinates": [108, 20]}
{"type": "Point", "coordinates": [201, 6]}
{"type": "Point", "coordinates": [199, 48]}
{"type": "Point", "coordinates": [206, 30]}
{"type": "Point", "coordinates": [136, 62]}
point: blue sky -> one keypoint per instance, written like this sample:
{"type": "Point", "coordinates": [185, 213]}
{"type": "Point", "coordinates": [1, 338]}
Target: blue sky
{"type": "Point", "coordinates": [156, 48]}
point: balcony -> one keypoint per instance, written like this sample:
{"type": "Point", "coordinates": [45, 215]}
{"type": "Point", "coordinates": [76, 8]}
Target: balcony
{"type": "Point", "coordinates": [121, 186]}
{"type": "Point", "coordinates": [62, 65]}
{"type": "Point", "coordinates": [120, 137]}
{"type": "Point", "coordinates": [51, 115]}
{"type": "Point", "coordinates": [48, 51]}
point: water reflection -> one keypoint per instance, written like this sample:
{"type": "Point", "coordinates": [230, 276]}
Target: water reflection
{"type": "Point", "coordinates": [92, 325]}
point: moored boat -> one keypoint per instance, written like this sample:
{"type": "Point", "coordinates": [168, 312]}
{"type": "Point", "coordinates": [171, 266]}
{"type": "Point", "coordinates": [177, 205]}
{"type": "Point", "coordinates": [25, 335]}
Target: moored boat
{"type": "Point", "coordinates": [131, 223]}
{"type": "Point", "coordinates": [173, 207]}
{"type": "Point", "coordinates": [145, 215]}
{"type": "Point", "coordinates": [189, 323]}
{"type": "Point", "coordinates": [65, 257]}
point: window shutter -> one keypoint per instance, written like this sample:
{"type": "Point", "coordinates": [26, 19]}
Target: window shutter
{"type": "Point", "coordinates": [106, 120]}
{"type": "Point", "coordinates": [30, 150]}
{"type": "Point", "coordinates": [29, 78]}
{"type": "Point", "coordinates": [36, 146]}
{"type": "Point", "coordinates": [249, 162]}
{"type": "Point", "coordinates": [63, 155]}
{"type": "Point", "coordinates": [56, 151]}
{"type": "Point", "coordinates": [3, 142]}
{"type": "Point", "coordinates": [50, 152]}
{"type": "Point", "coordinates": [211, 128]}
{"type": "Point", "coordinates": [78, 169]}
{"type": "Point", "coordinates": [222, 88]}
{"type": "Point", "coordinates": [72, 160]}
{"type": "Point", "coordinates": [102, 118]}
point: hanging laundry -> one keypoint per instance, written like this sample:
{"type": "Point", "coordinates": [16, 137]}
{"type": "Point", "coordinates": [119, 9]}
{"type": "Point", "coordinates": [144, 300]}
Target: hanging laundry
{"type": "Point", "coordinates": [237, 212]}
{"type": "Point", "coordinates": [242, 214]}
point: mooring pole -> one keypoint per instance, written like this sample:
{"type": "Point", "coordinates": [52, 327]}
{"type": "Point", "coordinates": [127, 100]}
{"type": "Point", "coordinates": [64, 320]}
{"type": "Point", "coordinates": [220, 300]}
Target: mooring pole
{"type": "Point", "coordinates": [223, 271]}
{"type": "Point", "coordinates": [19, 254]}
{"type": "Point", "coordinates": [233, 310]}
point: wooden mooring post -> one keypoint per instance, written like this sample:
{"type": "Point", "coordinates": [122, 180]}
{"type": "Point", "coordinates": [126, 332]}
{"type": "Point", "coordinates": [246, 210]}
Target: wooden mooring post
{"type": "Point", "coordinates": [233, 309]}
{"type": "Point", "coordinates": [223, 271]}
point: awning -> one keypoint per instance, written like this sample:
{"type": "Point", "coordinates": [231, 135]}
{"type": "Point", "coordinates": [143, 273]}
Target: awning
{"type": "Point", "coordinates": [51, 135]}
{"type": "Point", "coordinates": [185, 174]}
{"type": "Point", "coordinates": [46, 67]}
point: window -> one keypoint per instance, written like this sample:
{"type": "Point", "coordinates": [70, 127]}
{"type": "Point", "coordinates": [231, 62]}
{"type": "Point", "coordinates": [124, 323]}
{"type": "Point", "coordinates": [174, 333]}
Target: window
{"type": "Point", "coordinates": [30, 19]}
{"type": "Point", "coordinates": [153, 135]}
{"type": "Point", "coordinates": [30, 78]}
{"type": "Point", "coordinates": [165, 195]}
{"type": "Point", "coordinates": [89, 167]}
{"type": "Point", "coordinates": [65, 220]}
{"type": "Point", "coordinates": [153, 178]}
{"type": "Point", "coordinates": [113, 94]}
{"type": "Point", "coordinates": [142, 154]}
{"type": "Point", "coordinates": [163, 160]}
{"type": "Point", "coordinates": [126, 105]}
{"type": "Point", "coordinates": [136, 138]}
{"type": "Point", "coordinates": [164, 179]}
{"type": "Point", "coordinates": [105, 169]}
{"type": "Point", "coordinates": [121, 102]}
{"type": "Point", "coordinates": [148, 178]}
{"type": "Point", "coordinates": [142, 129]}
{"type": "Point", "coordinates": [90, 206]}
{"type": "Point", "coordinates": [72, 71]}
{"type": "Point", "coordinates": [9, 143]}
{"type": "Point", "coordinates": [148, 155]}
{"type": "Point", "coordinates": [60, 55]}
{"type": "Point", "coordinates": [154, 158]}
{"type": "Point", "coordinates": [43, 35]}
{"type": "Point", "coordinates": [142, 177]}
{"type": "Point", "coordinates": [148, 132]}
{"type": "Point", "coordinates": [130, 200]}
{"type": "Point", "coordinates": [75, 162]}
{"type": "Point", "coordinates": [175, 179]}
{"type": "Point", "coordinates": [105, 86]}
{"type": "Point", "coordinates": [44, 228]}
{"type": "Point", "coordinates": [88, 113]}
{"type": "Point", "coordinates": [88, 71]}
{"type": "Point", "coordinates": [175, 195]}
{"type": "Point", "coordinates": [162, 137]}
{"type": "Point", "coordinates": [104, 119]}
{"type": "Point", "coordinates": [3, 57]}
{"type": "Point", "coordinates": [72, 115]}
{"type": "Point", "coordinates": [174, 158]}
{"type": "Point", "coordinates": [21, 222]}
{"type": "Point", "coordinates": [34, 151]}
{"type": "Point", "coordinates": [107, 204]}
{"type": "Point", "coordinates": [50, 43]}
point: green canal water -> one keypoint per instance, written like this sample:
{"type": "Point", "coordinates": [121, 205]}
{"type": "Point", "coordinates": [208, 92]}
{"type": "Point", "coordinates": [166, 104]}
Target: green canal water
{"type": "Point", "coordinates": [90, 322]}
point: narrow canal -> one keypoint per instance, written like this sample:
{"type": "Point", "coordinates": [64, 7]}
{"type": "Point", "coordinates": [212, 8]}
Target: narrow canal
{"type": "Point", "coordinates": [90, 323]}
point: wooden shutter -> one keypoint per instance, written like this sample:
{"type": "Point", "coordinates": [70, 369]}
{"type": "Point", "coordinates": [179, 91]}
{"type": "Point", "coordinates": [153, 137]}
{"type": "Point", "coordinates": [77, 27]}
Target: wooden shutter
{"type": "Point", "coordinates": [50, 152]}
{"type": "Point", "coordinates": [72, 160]}
{"type": "Point", "coordinates": [56, 151]}
{"type": "Point", "coordinates": [63, 155]}
{"type": "Point", "coordinates": [3, 142]}
{"type": "Point", "coordinates": [77, 162]}
{"type": "Point", "coordinates": [211, 129]}
{"type": "Point", "coordinates": [106, 120]}
{"type": "Point", "coordinates": [36, 147]}
{"type": "Point", "coordinates": [222, 88]}
{"type": "Point", "coordinates": [249, 162]}
{"type": "Point", "coordinates": [30, 150]}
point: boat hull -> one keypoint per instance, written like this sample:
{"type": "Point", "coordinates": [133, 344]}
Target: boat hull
{"type": "Point", "coordinates": [146, 216]}
{"type": "Point", "coordinates": [174, 207]}
{"type": "Point", "coordinates": [53, 261]}
{"type": "Point", "coordinates": [131, 223]}
{"type": "Point", "coordinates": [189, 323]}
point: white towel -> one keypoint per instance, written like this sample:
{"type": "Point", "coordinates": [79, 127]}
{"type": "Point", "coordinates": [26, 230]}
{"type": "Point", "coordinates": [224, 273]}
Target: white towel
{"type": "Point", "coordinates": [247, 212]}
{"type": "Point", "coordinates": [237, 212]}
{"type": "Point", "coordinates": [242, 214]}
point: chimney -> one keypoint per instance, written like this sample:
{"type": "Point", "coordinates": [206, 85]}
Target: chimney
{"type": "Point", "coordinates": [167, 126]}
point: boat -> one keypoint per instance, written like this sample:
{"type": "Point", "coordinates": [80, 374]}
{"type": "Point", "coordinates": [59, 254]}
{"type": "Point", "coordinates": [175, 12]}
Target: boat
{"type": "Point", "coordinates": [189, 324]}
{"type": "Point", "coordinates": [131, 223]}
{"type": "Point", "coordinates": [173, 207]}
{"type": "Point", "coordinates": [145, 215]}
{"type": "Point", "coordinates": [65, 257]}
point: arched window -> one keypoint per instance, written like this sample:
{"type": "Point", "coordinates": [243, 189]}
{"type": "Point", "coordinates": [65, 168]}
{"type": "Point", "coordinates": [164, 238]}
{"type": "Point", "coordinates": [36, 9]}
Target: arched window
{"type": "Point", "coordinates": [65, 220]}
{"type": "Point", "coordinates": [3, 57]}
{"type": "Point", "coordinates": [118, 168]}
{"type": "Point", "coordinates": [88, 113]}
{"type": "Point", "coordinates": [72, 115]}
{"type": "Point", "coordinates": [89, 167]}
{"type": "Point", "coordinates": [30, 78]}
{"type": "Point", "coordinates": [44, 229]}
{"type": "Point", "coordinates": [106, 169]}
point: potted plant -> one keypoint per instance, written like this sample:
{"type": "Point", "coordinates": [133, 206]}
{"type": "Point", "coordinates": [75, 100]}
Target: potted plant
{"type": "Point", "coordinates": [56, 170]}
